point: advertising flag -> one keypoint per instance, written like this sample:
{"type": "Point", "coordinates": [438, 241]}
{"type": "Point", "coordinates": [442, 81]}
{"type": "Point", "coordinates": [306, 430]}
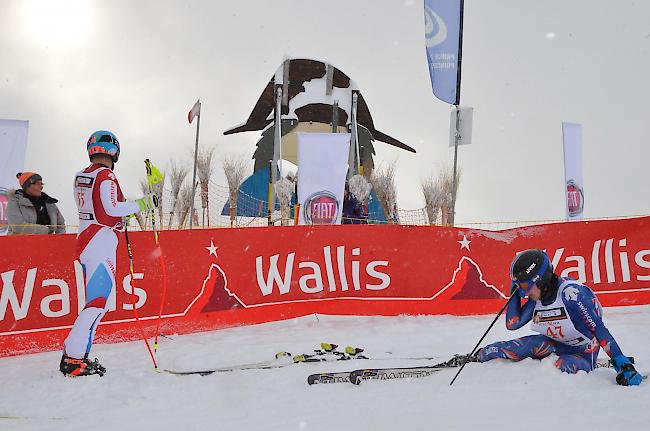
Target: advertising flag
{"type": "Point", "coordinates": [442, 21]}
{"type": "Point", "coordinates": [575, 197]}
{"type": "Point", "coordinates": [323, 166]}
{"type": "Point", "coordinates": [13, 144]}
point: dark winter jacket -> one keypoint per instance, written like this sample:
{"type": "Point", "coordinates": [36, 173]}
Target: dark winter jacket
{"type": "Point", "coordinates": [23, 218]}
{"type": "Point", "coordinates": [353, 211]}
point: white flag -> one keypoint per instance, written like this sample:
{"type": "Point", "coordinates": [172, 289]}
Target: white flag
{"type": "Point", "coordinates": [323, 166]}
{"type": "Point", "coordinates": [464, 115]}
{"type": "Point", "coordinates": [575, 198]}
{"type": "Point", "coordinates": [195, 111]}
{"type": "Point", "coordinates": [13, 144]}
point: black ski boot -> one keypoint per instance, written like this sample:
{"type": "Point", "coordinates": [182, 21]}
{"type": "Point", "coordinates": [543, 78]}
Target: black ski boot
{"type": "Point", "coordinates": [72, 367]}
{"type": "Point", "coordinates": [459, 360]}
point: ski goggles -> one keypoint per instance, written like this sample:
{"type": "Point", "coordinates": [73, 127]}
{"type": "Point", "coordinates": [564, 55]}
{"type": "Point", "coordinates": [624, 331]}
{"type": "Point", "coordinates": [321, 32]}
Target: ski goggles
{"type": "Point", "coordinates": [525, 286]}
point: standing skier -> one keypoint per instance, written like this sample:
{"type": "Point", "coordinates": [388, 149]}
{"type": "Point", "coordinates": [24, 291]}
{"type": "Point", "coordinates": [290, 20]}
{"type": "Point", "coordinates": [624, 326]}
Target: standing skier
{"type": "Point", "coordinates": [567, 316]}
{"type": "Point", "coordinates": [102, 209]}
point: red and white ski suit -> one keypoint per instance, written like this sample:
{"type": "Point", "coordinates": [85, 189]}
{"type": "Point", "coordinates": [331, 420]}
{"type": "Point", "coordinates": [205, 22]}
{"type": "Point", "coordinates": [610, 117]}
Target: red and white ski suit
{"type": "Point", "coordinates": [102, 209]}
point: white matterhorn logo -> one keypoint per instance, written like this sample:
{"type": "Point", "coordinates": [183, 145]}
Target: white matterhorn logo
{"type": "Point", "coordinates": [434, 37]}
{"type": "Point", "coordinates": [571, 293]}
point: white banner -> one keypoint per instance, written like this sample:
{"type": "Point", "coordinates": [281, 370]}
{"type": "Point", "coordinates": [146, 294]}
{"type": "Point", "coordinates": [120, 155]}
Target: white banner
{"type": "Point", "coordinates": [575, 198]}
{"type": "Point", "coordinates": [322, 168]}
{"type": "Point", "coordinates": [464, 115]}
{"type": "Point", "coordinates": [13, 144]}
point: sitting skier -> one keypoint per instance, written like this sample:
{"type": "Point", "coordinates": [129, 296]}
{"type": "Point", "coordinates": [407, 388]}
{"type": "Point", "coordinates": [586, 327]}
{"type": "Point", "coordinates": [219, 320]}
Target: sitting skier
{"type": "Point", "coordinates": [567, 316]}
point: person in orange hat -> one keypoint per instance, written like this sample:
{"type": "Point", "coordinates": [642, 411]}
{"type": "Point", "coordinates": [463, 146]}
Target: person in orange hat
{"type": "Point", "coordinates": [30, 211]}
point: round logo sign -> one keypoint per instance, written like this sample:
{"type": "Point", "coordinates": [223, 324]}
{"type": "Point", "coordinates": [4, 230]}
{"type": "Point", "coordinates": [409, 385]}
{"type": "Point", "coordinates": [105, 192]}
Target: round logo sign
{"type": "Point", "coordinates": [575, 198]}
{"type": "Point", "coordinates": [321, 208]}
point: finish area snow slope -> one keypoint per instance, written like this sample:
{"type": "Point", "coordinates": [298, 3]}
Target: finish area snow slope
{"type": "Point", "coordinates": [530, 395]}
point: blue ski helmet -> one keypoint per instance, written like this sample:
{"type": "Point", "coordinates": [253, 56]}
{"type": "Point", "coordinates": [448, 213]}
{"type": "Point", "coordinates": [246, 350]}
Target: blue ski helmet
{"type": "Point", "coordinates": [104, 142]}
{"type": "Point", "coordinates": [531, 267]}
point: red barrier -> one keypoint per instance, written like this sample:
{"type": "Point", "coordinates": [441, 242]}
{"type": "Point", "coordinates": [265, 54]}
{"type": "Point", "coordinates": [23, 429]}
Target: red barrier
{"type": "Point", "coordinates": [224, 277]}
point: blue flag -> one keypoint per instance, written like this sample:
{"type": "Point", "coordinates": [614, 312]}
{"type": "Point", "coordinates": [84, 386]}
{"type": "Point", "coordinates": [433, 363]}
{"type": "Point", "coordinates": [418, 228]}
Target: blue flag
{"type": "Point", "coordinates": [442, 21]}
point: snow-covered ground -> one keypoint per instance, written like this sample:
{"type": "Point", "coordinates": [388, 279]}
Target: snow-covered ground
{"type": "Point", "coordinates": [497, 395]}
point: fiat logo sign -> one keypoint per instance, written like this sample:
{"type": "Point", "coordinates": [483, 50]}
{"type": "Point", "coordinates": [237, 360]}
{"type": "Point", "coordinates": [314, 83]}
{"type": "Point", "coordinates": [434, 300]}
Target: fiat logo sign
{"type": "Point", "coordinates": [321, 208]}
{"type": "Point", "coordinates": [575, 198]}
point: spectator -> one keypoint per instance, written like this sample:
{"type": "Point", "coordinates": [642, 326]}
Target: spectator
{"type": "Point", "coordinates": [353, 211]}
{"type": "Point", "coordinates": [30, 211]}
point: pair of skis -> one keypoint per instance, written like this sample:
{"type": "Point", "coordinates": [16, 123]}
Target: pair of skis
{"type": "Point", "coordinates": [329, 353]}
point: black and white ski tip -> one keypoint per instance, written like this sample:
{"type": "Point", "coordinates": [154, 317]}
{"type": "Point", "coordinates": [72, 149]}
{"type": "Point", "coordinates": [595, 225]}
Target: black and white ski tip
{"type": "Point", "coordinates": [326, 378]}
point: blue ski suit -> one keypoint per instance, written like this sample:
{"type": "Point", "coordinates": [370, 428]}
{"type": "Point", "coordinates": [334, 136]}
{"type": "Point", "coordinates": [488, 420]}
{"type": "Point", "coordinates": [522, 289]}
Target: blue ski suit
{"type": "Point", "coordinates": [569, 324]}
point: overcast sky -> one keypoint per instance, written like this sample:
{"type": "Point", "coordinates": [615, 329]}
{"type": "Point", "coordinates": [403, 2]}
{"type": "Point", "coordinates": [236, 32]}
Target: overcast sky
{"type": "Point", "coordinates": [137, 67]}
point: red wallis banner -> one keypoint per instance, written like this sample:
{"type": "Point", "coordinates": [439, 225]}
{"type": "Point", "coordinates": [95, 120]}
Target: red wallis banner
{"type": "Point", "coordinates": [224, 277]}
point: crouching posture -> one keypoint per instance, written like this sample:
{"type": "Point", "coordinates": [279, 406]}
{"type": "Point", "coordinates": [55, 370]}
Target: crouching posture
{"type": "Point", "coordinates": [567, 316]}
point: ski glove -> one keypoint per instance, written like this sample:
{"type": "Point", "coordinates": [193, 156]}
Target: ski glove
{"type": "Point", "coordinates": [627, 374]}
{"type": "Point", "coordinates": [515, 290]}
{"type": "Point", "coordinates": [147, 202]}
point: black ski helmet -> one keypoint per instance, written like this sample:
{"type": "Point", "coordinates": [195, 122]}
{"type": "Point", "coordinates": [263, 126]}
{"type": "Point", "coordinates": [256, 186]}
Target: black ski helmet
{"type": "Point", "coordinates": [532, 267]}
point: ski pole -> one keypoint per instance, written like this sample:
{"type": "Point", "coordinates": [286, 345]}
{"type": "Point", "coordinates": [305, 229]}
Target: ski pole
{"type": "Point", "coordinates": [512, 295]}
{"type": "Point", "coordinates": [133, 299]}
{"type": "Point", "coordinates": [154, 176]}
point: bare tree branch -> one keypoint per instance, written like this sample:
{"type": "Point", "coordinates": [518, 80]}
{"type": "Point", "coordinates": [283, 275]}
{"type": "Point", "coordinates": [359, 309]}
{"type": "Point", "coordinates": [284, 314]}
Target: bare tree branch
{"type": "Point", "coordinates": [383, 183]}
{"type": "Point", "coordinates": [433, 197]}
{"type": "Point", "coordinates": [360, 188]}
{"type": "Point", "coordinates": [184, 203]}
{"type": "Point", "coordinates": [445, 179]}
{"type": "Point", "coordinates": [234, 167]}
{"type": "Point", "coordinates": [204, 169]}
{"type": "Point", "coordinates": [284, 190]}
{"type": "Point", "coordinates": [177, 174]}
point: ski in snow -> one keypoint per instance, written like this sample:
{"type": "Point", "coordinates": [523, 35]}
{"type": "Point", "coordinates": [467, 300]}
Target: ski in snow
{"type": "Point", "coordinates": [327, 353]}
{"type": "Point", "coordinates": [254, 366]}
{"type": "Point", "coordinates": [278, 363]}
{"type": "Point", "coordinates": [357, 376]}
{"type": "Point", "coordinates": [323, 378]}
